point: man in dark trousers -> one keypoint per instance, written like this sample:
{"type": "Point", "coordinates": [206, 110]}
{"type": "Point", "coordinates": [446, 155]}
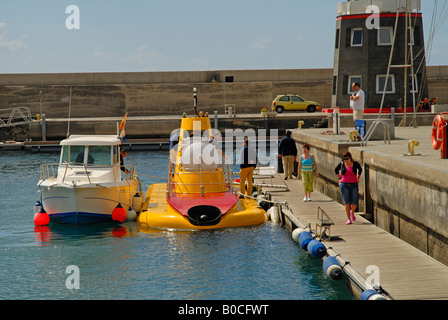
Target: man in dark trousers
{"type": "Point", "coordinates": [248, 162]}
{"type": "Point", "coordinates": [287, 150]}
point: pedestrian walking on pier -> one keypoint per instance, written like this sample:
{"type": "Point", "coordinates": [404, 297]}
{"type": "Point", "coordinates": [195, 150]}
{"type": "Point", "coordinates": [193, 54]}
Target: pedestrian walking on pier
{"type": "Point", "coordinates": [287, 150]}
{"type": "Point", "coordinates": [349, 172]}
{"type": "Point", "coordinates": [248, 162]}
{"type": "Point", "coordinates": [306, 171]}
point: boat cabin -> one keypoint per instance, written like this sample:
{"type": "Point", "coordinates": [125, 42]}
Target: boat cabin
{"type": "Point", "coordinates": [90, 159]}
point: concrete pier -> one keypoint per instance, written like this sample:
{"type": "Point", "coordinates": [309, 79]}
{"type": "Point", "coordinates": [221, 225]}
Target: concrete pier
{"type": "Point", "coordinates": [401, 229]}
{"type": "Point", "coordinates": [403, 195]}
{"type": "Point", "coordinates": [369, 255]}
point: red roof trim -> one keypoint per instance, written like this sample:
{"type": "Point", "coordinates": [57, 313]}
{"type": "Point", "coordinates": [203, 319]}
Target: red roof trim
{"type": "Point", "coordinates": [381, 15]}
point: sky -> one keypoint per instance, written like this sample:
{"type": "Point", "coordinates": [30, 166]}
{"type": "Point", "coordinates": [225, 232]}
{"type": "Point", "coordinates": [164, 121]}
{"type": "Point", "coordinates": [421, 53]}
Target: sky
{"type": "Point", "coordinates": [42, 36]}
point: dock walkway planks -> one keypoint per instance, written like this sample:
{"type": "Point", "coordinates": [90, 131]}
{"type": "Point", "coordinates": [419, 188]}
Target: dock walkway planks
{"type": "Point", "coordinates": [405, 272]}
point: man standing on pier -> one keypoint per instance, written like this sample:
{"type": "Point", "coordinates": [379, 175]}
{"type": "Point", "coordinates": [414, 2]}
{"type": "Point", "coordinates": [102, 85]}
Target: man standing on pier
{"type": "Point", "coordinates": [248, 162]}
{"type": "Point", "coordinates": [357, 101]}
{"type": "Point", "coordinates": [287, 150]}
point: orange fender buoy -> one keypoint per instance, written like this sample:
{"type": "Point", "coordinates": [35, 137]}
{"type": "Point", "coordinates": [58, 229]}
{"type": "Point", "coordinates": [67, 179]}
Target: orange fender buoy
{"type": "Point", "coordinates": [119, 214]}
{"type": "Point", "coordinates": [438, 124]}
{"type": "Point", "coordinates": [41, 218]}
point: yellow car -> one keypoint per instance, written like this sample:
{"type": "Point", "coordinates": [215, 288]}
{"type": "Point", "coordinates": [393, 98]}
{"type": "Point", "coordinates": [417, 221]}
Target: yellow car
{"type": "Point", "coordinates": [293, 102]}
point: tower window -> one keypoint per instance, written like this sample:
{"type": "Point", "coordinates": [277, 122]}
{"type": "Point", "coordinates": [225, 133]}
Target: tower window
{"type": "Point", "coordinates": [335, 79]}
{"type": "Point", "coordinates": [417, 41]}
{"type": "Point", "coordinates": [381, 84]}
{"type": "Point", "coordinates": [385, 36]}
{"type": "Point", "coordinates": [356, 37]}
{"type": "Point", "coordinates": [353, 79]}
{"type": "Point", "coordinates": [413, 85]}
{"type": "Point", "coordinates": [337, 39]}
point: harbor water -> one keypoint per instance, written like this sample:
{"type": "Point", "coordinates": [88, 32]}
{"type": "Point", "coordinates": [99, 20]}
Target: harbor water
{"type": "Point", "coordinates": [127, 261]}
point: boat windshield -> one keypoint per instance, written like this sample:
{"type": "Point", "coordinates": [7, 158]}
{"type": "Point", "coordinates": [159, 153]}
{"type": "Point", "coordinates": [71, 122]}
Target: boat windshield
{"type": "Point", "coordinates": [98, 155]}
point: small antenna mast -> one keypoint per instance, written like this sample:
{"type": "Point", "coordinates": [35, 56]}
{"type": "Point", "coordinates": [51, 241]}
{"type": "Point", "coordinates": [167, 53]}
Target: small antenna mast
{"type": "Point", "coordinates": [69, 110]}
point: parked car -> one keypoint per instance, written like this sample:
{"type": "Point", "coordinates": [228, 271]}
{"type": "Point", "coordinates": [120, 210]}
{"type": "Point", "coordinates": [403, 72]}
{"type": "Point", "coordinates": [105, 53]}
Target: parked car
{"type": "Point", "coordinates": [293, 102]}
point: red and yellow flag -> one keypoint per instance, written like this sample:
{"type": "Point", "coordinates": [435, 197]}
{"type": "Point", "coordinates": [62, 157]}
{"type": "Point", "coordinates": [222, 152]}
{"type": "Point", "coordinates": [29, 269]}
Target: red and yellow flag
{"type": "Point", "coordinates": [123, 122]}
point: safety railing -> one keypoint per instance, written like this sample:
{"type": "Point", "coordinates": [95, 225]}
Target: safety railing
{"type": "Point", "coordinates": [180, 183]}
{"type": "Point", "coordinates": [50, 171]}
{"type": "Point", "coordinates": [196, 174]}
{"type": "Point", "coordinates": [15, 116]}
{"type": "Point", "coordinates": [359, 6]}
{"type": "Point", "coordinates": [386, 133]}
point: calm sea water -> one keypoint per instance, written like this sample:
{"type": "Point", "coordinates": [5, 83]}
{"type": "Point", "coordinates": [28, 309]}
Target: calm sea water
{"type": "Point", "coordinates": [126, 261]}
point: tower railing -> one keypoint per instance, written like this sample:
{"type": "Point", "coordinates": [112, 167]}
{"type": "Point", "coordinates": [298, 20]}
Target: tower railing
{"type": "Point", "coordinates": [360, 6]}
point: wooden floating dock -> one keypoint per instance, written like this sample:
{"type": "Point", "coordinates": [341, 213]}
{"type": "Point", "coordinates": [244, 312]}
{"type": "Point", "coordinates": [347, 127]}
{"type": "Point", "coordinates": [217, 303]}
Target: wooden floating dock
{"type": "Point", "coordinates": [404, 272]}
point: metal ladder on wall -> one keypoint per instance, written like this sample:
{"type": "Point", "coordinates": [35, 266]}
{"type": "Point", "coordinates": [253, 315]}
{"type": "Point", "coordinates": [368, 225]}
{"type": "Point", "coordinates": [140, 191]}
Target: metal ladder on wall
{"type": "Point", "coordinates": [386, 133]}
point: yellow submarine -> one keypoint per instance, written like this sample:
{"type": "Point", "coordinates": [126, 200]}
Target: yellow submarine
{"type": "Point", "coordinates": [199, 193]}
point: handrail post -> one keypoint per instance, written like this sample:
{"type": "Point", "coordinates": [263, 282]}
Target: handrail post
{"type": "Point", "coordinates": [87, 173]}
{"type": "Point", "coordinates": [386, 131]}
{"type": "Point", "coordinates": [65, 172]}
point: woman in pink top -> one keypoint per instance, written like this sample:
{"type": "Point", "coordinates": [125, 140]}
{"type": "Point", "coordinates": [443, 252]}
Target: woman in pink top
{"type": "Point", "coordinates": [349, 172]}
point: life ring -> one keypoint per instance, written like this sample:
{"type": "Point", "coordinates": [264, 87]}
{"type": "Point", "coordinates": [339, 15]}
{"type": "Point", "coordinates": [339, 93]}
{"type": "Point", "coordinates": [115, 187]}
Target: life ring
{"type": "Point", "coordinates": [437, 133]}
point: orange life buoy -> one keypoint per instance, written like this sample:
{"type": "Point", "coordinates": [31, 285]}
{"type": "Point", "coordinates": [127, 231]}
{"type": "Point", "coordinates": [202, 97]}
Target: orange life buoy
{"type": "Point", "coordinates": [437, 133]}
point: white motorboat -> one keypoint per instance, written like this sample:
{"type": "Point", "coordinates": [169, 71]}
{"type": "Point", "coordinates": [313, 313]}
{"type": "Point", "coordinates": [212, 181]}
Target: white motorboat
{"type": "Point", "coordinates": [90, 184]}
